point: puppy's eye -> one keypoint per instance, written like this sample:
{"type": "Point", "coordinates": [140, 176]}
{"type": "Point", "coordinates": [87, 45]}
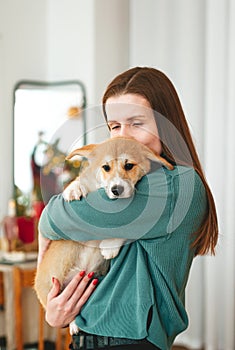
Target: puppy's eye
{"type": "Point", "coordinates": [128, 166]}
{"type": "Point", "coordinates": [106, 168]}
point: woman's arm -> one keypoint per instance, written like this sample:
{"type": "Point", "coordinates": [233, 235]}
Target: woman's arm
{"type": "Point", "coordinates": [62, 308]}
{"type": "Point", "coordinates": [97, 217]}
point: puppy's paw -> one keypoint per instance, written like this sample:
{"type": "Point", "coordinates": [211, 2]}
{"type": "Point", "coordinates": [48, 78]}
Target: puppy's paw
{"type": "Point", "coordinates": [109, 253]}
{"type": "Point", "coordinates": [73, 328]}
{"type": "Point", "coordinates": [73, 191]}
{"type": "Point", "coordinates": [110, 248]}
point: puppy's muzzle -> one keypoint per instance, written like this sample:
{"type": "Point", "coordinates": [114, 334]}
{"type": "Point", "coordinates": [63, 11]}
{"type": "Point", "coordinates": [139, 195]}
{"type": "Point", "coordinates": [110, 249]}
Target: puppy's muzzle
{"type": "Point", "coordinates": [117, 190]}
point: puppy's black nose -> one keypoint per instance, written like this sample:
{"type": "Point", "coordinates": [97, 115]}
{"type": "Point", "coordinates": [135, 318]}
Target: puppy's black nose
{"type": "Point", "coordinates": [117, 190]}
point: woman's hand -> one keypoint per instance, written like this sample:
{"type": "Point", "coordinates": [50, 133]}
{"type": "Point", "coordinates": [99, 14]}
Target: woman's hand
{"type": "Point", "coordinates": [63, 307]}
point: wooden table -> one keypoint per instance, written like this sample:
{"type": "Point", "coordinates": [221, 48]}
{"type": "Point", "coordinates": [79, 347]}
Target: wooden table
{"type": "Point", "coordinates": [30, 307]}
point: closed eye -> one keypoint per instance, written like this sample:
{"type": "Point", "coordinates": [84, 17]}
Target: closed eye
{"type": "Point", "coordinates": [128, 166]}
{"type": "Point", "coordinates": [136, 124]}
{"type": "Point", "coordinates": [114, 126]}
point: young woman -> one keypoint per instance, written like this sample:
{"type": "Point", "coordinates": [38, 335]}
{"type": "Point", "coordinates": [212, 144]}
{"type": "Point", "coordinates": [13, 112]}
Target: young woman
{"type": "Point", "coordinates": [139, 304]}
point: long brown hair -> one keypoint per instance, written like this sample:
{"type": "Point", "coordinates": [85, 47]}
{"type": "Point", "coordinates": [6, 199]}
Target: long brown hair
{"type": "Point", "coordinates": [176, 139]}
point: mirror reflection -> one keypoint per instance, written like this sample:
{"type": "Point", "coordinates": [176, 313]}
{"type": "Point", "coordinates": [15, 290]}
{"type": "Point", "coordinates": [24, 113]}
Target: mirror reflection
{"type": "Point", "coordinates": [48, 119]}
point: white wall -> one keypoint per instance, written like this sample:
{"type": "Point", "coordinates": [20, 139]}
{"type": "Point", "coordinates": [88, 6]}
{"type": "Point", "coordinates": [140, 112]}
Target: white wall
{"type": "Point", "coordinates": [111, 54]}
{"type": "Point", "coordinates": [23, 54]}
{"type": "Point", "coordinates": [70, 42]}
{"type": "Point", "coordinates": [111, 41]}
{"type": "Point", "coordinates": [85, 40]}
{"type": "Point", "coordinates": [170, 35]}
{"type": "Point", "coordinates": [57, 40]}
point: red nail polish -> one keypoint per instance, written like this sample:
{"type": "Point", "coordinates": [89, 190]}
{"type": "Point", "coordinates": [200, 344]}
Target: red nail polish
{"type": "Point", "coordinates": [82, 273]}
{"type": "Point", "coordinates": [95, 281]}
{"type": "Point", "coordinates": [53, 280]}
{"type": "Point", "coordinates": [91, 274]}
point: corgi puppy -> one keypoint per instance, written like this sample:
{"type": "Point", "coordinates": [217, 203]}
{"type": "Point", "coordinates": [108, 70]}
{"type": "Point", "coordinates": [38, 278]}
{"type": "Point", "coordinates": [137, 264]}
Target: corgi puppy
{"type": "Point", "coordinates": [116, 165]}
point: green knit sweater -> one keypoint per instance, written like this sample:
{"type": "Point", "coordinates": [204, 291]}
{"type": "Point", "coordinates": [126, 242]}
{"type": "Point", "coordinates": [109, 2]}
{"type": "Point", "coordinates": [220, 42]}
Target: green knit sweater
{"type": "Point", "coordinates": [149, 275]}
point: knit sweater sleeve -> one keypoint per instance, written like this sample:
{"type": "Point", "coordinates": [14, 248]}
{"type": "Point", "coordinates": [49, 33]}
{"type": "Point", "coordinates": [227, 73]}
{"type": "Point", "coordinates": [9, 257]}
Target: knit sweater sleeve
{"type": "Point", "coordinates": [97, 217]}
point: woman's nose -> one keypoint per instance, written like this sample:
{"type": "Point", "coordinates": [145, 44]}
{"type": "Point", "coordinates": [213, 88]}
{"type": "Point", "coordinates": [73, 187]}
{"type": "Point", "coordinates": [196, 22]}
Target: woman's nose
{"type": "Point", "coordinates": [125, 130]}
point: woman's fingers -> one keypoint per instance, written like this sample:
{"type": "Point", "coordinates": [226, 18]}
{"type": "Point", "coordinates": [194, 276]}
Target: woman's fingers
{"type": "Point", "coordinates": [76, 292]}
{"type": "Point", "coordinates": [76, 286]}
{"type": "Point", "coordinates": [55, 290]}
{"type": "Point", "coordinates": [63, 307]}
{"type": "Point", "coordinates": [83, 289]}
{"type": "Point", "coordinates": [87, 293]}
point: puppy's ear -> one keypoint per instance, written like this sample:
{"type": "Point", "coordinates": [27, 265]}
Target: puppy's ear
{"type": "Point", "coordinates": [84, 151]}
{"type": "Point", "coordinates": [156, 158]}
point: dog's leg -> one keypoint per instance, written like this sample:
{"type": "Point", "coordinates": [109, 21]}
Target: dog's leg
{"type": "Point", "coordinates": [73, 328]}
{"type": "Point", "coordinates": [110, 247]}
{"type": "Point", "coordinates": [74, 191]}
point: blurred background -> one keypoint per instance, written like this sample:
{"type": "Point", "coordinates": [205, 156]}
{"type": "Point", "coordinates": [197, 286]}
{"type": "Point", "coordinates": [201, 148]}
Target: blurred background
{"type": "Point", "coordinates": [91, 41]}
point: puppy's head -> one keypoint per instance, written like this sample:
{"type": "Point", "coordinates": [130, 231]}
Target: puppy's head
{"type": "Point", "coordinates": [118, 164]}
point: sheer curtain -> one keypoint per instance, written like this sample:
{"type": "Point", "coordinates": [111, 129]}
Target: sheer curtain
{"type": "Point", "coordinates": [219, 281]}
{"type": "Point", "coordinates": [193, 42]}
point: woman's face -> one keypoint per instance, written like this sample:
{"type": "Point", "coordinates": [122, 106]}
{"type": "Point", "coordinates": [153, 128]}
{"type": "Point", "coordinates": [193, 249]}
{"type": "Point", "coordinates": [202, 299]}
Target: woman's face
{"type": "Point", "coordinates": [130, 115]}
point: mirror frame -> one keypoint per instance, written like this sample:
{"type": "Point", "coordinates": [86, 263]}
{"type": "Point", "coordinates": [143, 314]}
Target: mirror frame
{"type": "Point", "coordinates": [46, 84]}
